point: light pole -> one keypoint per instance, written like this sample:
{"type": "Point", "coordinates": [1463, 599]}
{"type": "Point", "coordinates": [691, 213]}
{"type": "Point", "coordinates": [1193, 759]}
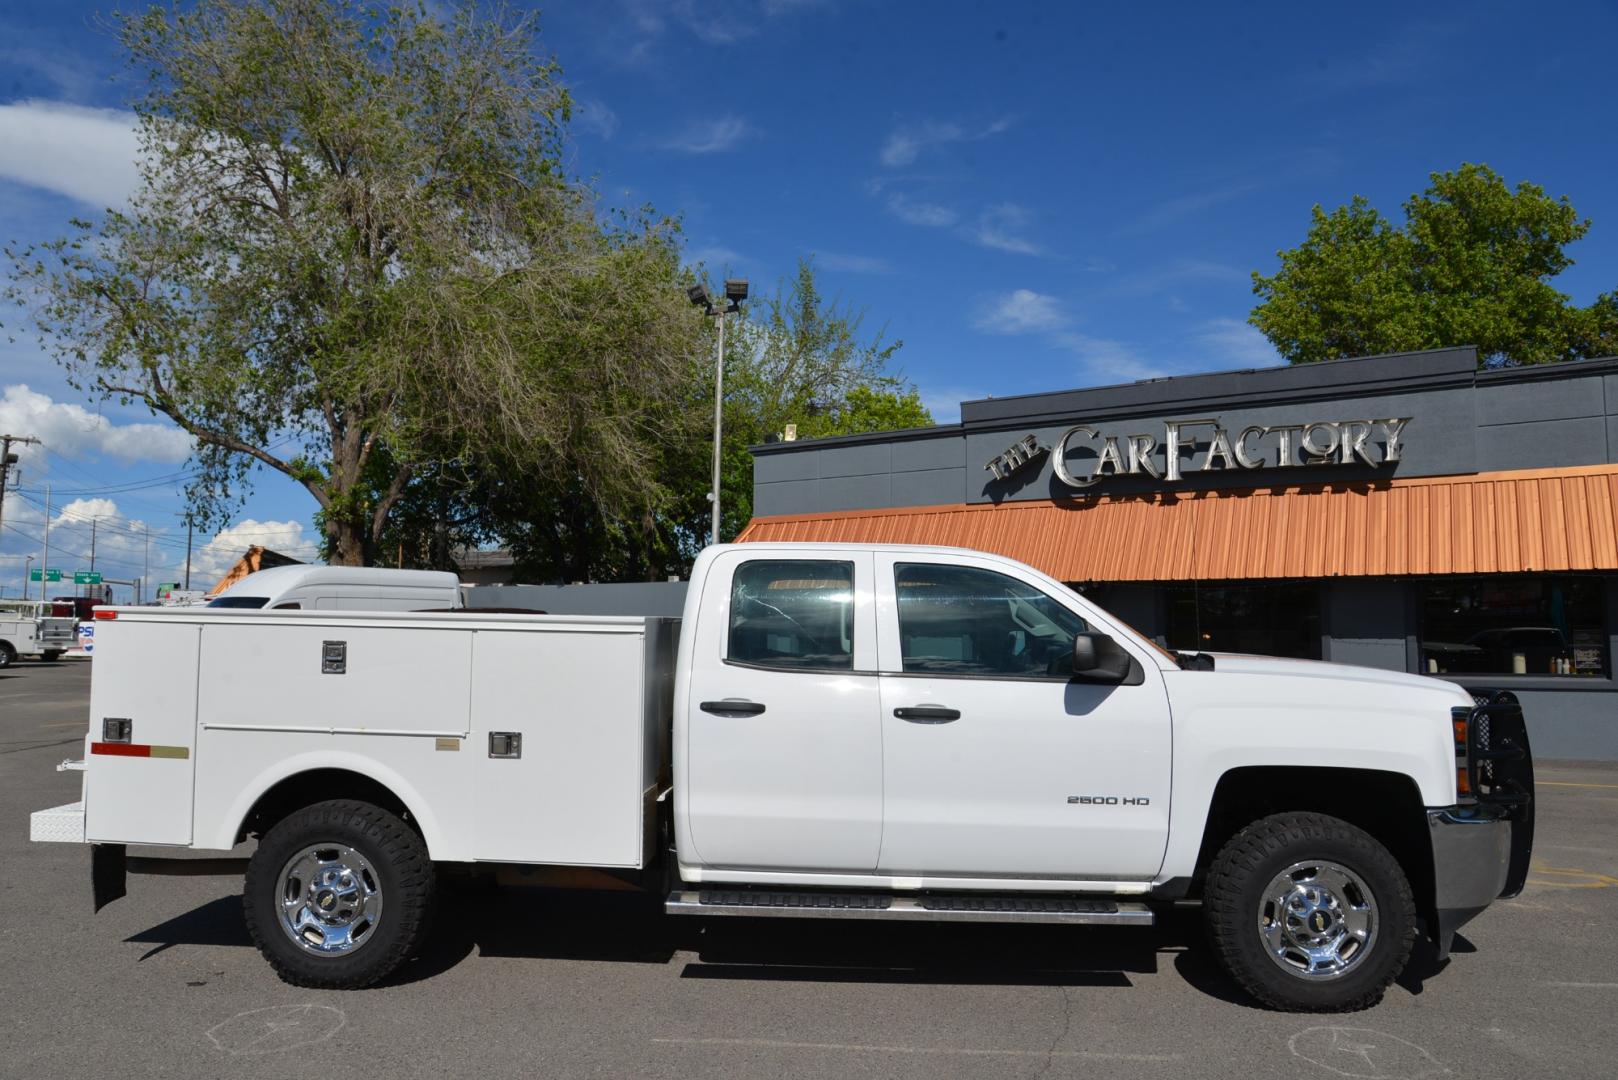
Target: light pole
{"type": "Point", "coordinates": [27, 571]}
{"type": "Point", "coordinates": [735, 293]}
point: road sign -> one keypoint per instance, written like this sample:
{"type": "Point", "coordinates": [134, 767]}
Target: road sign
{"type": "Point", "coordinates": [37, 574]}
{"type": "Point", "coordinates": [86, 577]}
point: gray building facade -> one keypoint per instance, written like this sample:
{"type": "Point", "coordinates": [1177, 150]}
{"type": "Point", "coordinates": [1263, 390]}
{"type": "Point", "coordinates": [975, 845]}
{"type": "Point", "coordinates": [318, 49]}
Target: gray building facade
{"type": "Point", "coordinates": [1406, 512]}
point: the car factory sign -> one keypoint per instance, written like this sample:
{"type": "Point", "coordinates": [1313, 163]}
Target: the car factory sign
{"type": "Point", "coordinates": [1181, 449]}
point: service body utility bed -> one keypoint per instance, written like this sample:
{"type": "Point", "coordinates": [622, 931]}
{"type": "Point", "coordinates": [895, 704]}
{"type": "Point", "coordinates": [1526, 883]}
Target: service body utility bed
{"type": "Point", "coordinates": [198, 713]}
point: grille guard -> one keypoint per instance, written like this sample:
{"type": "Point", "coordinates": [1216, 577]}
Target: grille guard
{"type": "Point", "coordinates": [1500, 766]}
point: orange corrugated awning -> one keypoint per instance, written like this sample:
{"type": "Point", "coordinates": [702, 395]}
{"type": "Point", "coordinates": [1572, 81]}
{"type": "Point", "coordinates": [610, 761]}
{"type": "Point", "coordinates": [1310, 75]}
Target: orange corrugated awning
{"type": "Point", "coordinates": [1488, 523]}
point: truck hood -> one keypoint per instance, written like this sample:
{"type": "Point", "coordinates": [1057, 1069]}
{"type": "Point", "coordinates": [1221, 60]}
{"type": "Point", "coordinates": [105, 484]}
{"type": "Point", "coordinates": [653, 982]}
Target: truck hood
{"type": "Point", "coordinates": [1242, 664]}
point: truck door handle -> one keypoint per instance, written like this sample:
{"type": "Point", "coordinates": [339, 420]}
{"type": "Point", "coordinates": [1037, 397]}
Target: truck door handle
{"type": "Point", "coordinates": [733, 707]}
{"type": "Point", "coordinates": [928, 714]}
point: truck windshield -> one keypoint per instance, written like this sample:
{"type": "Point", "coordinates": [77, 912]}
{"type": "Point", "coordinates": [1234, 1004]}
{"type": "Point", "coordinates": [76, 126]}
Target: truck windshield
{"type": "Point", "coordinates": [239, 601]}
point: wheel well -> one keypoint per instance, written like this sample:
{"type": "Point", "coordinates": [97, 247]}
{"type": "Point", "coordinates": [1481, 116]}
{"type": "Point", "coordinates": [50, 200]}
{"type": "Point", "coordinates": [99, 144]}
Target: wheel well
{"type": "Point", "coordinates": [319, 785]}
{"type": "Point", "coordinates": [1387, 805]}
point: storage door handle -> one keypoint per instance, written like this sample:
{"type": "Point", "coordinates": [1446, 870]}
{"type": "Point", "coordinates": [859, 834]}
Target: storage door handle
{"type": "Point", "coordinates": [733, 707]}
{"type": "Point", "coordinates": [928, 714]}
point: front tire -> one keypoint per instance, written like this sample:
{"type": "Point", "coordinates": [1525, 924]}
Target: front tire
{"type": "Point", "coordinates": [7, 655]}
{"type": "Point", "coordinates": [1309, 913]}
{"type": "Point", "coordinates": [338, 895]}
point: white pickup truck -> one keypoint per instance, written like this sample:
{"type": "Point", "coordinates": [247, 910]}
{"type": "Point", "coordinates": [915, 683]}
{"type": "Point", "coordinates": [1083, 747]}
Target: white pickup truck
{"type": "Point", "coordinates": [830, 731]}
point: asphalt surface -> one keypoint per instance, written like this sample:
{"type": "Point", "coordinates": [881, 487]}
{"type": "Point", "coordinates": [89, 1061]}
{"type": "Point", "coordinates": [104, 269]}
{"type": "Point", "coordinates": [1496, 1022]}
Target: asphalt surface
{"type": "Point", "coordinates": [541, 984]}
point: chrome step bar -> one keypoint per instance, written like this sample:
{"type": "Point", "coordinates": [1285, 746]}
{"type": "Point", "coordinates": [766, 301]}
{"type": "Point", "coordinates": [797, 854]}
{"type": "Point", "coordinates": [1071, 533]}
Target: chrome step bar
{"type": "Point", "coordinates": [1086, 911]}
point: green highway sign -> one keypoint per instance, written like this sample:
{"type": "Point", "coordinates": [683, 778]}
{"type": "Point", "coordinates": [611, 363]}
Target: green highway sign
{"type": "Point", "coordinates": [37, 574]}
{"type": "Point", "coordinates": [86, 577]}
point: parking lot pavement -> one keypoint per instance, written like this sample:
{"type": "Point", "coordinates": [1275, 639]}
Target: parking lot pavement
{"type": "Point", "coordinates": [165, 983]}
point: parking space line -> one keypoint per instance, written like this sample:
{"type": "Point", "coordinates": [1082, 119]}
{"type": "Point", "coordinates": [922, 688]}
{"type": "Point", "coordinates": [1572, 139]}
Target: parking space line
{"type": "Point", "coordinates": [1585, 985]}
{"type": "Point", "coordinates": [866, 1048]}
{"type": "Point", "coordinates": [1566, 783]}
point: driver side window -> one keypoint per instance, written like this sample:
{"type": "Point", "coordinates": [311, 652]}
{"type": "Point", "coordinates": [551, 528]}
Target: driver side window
{"type": "Point", "coordinates": [959, 620]}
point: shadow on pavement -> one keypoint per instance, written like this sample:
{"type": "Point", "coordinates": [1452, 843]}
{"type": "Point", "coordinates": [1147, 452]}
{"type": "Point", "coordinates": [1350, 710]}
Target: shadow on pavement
{"type": "Point", "coordinates": [631, 928]}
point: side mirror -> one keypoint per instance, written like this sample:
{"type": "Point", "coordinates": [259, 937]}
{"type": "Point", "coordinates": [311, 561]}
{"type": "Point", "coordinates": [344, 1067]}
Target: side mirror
{"type": "Point", "coordinates": [1099, 659]}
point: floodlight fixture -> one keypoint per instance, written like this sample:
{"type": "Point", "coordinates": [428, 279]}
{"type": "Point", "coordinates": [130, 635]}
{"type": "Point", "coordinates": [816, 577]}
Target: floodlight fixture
{"type": "Point", "coordinates": [698, 295]}
{"type": "Point", "coordinates": [735, 289]}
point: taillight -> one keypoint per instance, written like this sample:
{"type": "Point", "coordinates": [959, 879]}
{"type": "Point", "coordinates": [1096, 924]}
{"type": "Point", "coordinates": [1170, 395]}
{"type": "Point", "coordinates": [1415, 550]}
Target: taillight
{"type": "Point", "coordinates": [105, 613]}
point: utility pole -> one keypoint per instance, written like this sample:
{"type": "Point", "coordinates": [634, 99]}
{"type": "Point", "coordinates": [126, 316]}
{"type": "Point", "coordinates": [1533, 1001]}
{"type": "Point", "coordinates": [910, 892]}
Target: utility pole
{"type": "Point", "coordinates": [7, 460]}
{"type": "Point", "coordinates": [45, 562]}
{"type": "Point", "coordinates": [93, 544]}
{"type": "Point", "coordinates": [188, 549]}
{"type": "Point", "coordinates": [146, 566]}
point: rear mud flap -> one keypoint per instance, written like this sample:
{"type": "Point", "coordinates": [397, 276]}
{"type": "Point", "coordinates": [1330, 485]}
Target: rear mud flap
{"type": "Point", "coordinates": [109, 871]}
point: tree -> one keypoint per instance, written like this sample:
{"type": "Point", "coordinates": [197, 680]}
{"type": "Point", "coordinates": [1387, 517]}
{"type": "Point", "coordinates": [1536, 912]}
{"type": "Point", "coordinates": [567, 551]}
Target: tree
{"type": "Point", "coordinates": [1471, 265]}
{"type": "Point", "coordinates": [795, 357]}
{"type": "Point", "coordinates": [354, 254]}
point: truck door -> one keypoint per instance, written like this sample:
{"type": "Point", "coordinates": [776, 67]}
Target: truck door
{"type": "Point", "coordinates": [784, 740]}
{"type": "Point", "coordinates": [993, 766]}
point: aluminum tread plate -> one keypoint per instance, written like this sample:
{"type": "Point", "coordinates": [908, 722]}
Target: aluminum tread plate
{"type": "Point", "coordinates": [58, 825]}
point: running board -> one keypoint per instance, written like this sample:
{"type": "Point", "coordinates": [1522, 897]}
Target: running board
{"type": "Point", "coordinates": [952, 908]}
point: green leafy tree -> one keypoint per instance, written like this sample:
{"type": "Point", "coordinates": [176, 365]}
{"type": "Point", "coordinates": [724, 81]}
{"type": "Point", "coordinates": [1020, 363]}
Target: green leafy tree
{"type": "Point", "coordinates": [354, 254]}
{"type": "Point", "coordinates": [795, 358]}
{"type": "Point", "coordinates": [1471, 265]}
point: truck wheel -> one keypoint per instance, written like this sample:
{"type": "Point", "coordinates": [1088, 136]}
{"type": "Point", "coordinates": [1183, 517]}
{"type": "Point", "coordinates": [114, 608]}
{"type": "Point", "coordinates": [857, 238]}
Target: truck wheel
{"type": "Point", "coordinates": [52, 656]}
{"type": "Point", "coordinates": [7, 654]}
{"type": "Point", "coordinates": [338, 895]}
{"type": "Point", "coordinates": [1309, 913]}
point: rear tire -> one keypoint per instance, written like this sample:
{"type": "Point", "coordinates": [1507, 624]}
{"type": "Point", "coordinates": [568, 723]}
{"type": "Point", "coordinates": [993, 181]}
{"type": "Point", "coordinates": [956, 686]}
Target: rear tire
{"type": "Point", "coordinates": [338, 895]}
{"type": "Point", "coordinates": [52, 656]}
{"type": "Point", "coordinates": [7, 654]}
{"type": "Point", "coordinates": [1309, 913]}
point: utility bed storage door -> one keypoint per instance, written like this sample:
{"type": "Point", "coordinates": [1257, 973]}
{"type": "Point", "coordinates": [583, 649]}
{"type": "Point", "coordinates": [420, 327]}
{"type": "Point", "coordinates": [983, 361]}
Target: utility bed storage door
{"type": "Point", "coordinates": [576, 698]}
{"type": "Point", "coordinates": [139, 791]}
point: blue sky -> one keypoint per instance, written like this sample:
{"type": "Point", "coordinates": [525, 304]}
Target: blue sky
{"type": "Point", "coordinates": [1031, 197]}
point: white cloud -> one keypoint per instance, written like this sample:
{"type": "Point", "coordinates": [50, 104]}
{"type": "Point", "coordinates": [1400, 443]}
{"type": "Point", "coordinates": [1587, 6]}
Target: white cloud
{"type": "Point", "coordinates": [914, 212]}
{"type": "Point", "coordinates": [1239, 342]}
{"type": "Point", "coordinates": [1022, 311]}
{"type": "Point", "coordinates": [999, 227]}
{"type": "Point", "coordinates": [905, 144]}
{"type": "Point", "coordinates": [74, 432]}
{"type": "Point", "coordinates": [86, 154]}
{"type": "Point", "coordinates": [591, 114]}
{"type": "Point", "coordinates": [714, 257]}
{"type": "Point", "coordinates": [210, 561]}
{"type": "Point", "coordinates": [852, 264]}
{"type": "Point", "coordinates": [710, 136]}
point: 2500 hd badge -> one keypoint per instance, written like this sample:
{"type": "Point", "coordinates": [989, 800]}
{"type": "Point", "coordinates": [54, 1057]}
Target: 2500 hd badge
{"type": "Point", "coordinates": [1108, 800]}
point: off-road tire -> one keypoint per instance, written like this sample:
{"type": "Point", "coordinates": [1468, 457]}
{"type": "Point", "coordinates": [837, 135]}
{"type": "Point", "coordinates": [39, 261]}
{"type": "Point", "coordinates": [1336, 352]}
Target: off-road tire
{"type": "Point", "coordinates": [407, 880]}
{"type": "Point", "coordinates": [1233, 896]}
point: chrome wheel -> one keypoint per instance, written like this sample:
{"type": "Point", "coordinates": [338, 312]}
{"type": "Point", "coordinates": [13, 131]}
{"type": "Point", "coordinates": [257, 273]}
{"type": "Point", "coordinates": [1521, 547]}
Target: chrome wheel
{"type": "Point", "coordinates": [330, 899]}
{"type": "Point", "coordinates": [1317, 920]}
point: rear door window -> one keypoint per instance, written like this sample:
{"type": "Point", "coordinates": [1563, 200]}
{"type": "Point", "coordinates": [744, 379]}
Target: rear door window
{"type": "Point", "coordinates": [792, 613]}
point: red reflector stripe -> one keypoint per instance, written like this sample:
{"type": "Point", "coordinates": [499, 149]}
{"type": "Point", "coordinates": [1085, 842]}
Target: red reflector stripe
{"type": "Point", "coordinates": [103, 613]}
{"type": "Point", "coordinates": [121, 749]}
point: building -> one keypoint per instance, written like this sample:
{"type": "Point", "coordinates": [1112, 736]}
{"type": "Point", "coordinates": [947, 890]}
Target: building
{"type": "Point", "coordinates": [1406, 511]}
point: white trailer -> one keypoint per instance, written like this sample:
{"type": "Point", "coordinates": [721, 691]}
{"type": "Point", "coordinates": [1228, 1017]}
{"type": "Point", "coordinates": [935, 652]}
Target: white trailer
{"type": "Point", "coordinates": [842, 731]}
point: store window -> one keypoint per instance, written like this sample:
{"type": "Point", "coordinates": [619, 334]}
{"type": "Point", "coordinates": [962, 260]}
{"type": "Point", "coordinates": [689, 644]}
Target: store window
{"type": "Point", "coordinates": [1513, 625]}
{"type": "Point", "coordinates": [1267, 620]}
{"type": "Point", "coordinates": [792, 613]}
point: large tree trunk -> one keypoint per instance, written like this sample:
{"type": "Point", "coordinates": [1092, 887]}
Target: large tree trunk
{"type": "Point", "coordinates": [347, 540]}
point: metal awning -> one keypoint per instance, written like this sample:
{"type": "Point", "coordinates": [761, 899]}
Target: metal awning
{"type": "Point", "coordinates": [1486, 523]}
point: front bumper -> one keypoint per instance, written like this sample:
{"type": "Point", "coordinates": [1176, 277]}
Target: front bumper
{"type": "Point", "coordinates": [1481, 850]}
